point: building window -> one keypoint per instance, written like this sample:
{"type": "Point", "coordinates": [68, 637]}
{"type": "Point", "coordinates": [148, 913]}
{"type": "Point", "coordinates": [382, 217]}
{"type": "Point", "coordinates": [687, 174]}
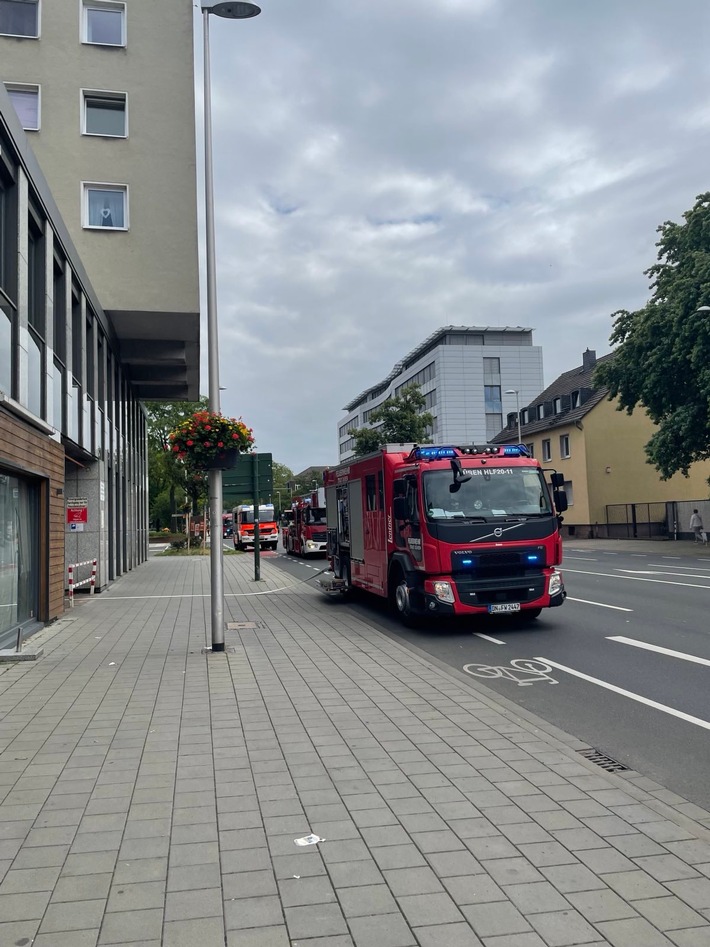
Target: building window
{"type": "Point", "coordinates": [546, 451]}
{"type": "Point", "coordinates": [105, 113]}
{"type": "Point", "coordinates": [491, 371]}
{"type": "Point", "coordinates": [19, 18]}
{"type": "Point", "coordinates": [570, 492]}
{"type": "Point", "coordinates": [575, 399]}
{"type": "Point", "coordinates": [531, 449]}
{"type": "Point", "coordinates": [106, 206]}
{"type": "Point", "coordinates": [524, 416]}
{"type": "Point", "coordinates": [494, 425]}
{"type": "Point", "coordinates": [25, 100]}
{"type": "Point", "coordinates": [557, 405]}
{"type": "Point", "coordinates": [564, 445]}
{"type": "Point", "coordinates": [104, 24]}
{"type": "Point", "coordinates": [540, 410]}
{"type": "Point", "coordinates": [421, 378]}
{"type": "Point", "coordinates": [493, 399]}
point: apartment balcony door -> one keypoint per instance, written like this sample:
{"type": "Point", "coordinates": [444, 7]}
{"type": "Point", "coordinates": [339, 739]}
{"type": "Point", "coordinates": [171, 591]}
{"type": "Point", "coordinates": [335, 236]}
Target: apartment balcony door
{"type": "Point", "coordinates": [19, 555]}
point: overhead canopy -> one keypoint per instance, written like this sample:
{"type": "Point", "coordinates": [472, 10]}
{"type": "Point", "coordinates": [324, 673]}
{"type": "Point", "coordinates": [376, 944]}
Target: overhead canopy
{"type": "Point", "coordinates": [160, 352]}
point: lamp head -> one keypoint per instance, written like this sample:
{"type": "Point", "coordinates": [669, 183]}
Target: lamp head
{"type": "Point", "coordinates": [232, 10]}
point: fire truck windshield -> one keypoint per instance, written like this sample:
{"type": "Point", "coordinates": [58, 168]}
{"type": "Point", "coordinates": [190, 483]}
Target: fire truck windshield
{"type": "Point", "coordinates": [316, 516]}
{"type": "Point", "coordinates": [491, 492]}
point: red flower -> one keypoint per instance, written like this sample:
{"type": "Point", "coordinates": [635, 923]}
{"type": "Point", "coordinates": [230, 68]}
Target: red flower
{"type": "Point", "coordinates": [207, 444]}
{"type": "Point", "coordinates": [220, 444]}
{"type": "Point", "coordinates": [176, 448]}
{"type": "Point", "coordinates": [235, 437]}
{"type": "Point", "coordinates": [189, 443]}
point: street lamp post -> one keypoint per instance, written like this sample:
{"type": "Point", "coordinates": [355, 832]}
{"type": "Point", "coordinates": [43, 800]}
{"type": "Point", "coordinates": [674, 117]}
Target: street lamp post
{"type": "Point", "coordinates": [232, 11]}
{"type": "Point", "coordinates": [516, 392]}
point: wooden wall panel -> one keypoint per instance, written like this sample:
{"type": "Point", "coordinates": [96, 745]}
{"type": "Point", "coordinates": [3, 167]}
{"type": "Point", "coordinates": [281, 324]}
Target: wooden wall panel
{"type": "Point", "coordinates": [26, 450]}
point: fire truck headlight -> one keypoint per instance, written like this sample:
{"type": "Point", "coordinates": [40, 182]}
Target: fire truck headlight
{"type": "Point", "coordinates": [310, 544]}
{"type": "Point", "coordinates": [555, 583]}
{"type": "Point", "coordinates": [444, 592]}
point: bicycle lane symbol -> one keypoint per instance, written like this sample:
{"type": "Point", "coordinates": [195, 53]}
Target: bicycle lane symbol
{"type": "Point", "coordinates": [522, 671]}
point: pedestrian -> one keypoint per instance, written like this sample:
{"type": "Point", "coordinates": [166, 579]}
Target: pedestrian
{"type": "Point", "coordinates": [696, 525]}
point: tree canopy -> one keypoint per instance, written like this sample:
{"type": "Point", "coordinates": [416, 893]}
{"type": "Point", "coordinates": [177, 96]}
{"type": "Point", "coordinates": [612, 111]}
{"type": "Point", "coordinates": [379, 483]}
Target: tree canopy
{"type": "Point", "coordinates": [400, 420]}
{"type": "Point", "coordinates": [662, 359]}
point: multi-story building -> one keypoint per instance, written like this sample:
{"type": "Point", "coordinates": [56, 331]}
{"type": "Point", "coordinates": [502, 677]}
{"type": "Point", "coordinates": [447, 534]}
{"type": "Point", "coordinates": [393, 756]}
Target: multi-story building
{"type": "Point", "coordinates": [470, 377]}
{"type": "Point", "coordinates": [612, 490]}
{"type": "Point", "coordinates": [98, 280]}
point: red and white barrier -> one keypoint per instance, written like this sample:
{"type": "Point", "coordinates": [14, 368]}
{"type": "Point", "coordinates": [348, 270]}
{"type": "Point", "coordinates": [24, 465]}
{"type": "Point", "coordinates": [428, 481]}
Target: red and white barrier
{"type": "Point", "coordinates": [72, 584]}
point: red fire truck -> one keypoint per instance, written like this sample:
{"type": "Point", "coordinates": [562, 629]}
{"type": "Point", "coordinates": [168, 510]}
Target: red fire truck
{"type": "Point", "coordinates": [243, 526]}
{"type": "Point", "coordinates": [307, 533]}
{"type": "Point", "coordinates": [447, 530]}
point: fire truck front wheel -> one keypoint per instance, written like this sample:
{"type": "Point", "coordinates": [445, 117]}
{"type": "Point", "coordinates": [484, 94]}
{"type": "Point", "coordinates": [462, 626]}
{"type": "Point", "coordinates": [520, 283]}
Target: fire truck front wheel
{"type": "Point", "coordinates": [400, 599]}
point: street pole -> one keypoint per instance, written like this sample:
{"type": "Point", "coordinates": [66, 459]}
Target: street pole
{"type": "Point", "coordinates": [215, 476]}
{"type": "Point", "coordinates": [230, 11]}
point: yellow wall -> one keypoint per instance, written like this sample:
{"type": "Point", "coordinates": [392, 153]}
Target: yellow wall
{"type": "Point", "coordinates": [615, 440]}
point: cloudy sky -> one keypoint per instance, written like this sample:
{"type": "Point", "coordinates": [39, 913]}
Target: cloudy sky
{"type": "Point", "coordinates": [386, 168]}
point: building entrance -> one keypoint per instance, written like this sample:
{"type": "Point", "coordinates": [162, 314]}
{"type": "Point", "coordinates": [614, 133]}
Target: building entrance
{"type": "Point", "coordinates": [19, 555]}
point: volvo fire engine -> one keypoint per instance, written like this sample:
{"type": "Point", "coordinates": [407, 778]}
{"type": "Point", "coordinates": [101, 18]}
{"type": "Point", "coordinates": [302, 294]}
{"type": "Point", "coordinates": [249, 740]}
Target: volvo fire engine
{"type": "Point", "coordinates": [444, 530]}
{"type": "Point", "coordinates": [243, 526]}
{"type": "Point", "coordinates": [307, 534]}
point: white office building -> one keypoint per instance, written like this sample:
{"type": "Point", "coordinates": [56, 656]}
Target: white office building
{"type": "Point", "coordinates": [464, 372]}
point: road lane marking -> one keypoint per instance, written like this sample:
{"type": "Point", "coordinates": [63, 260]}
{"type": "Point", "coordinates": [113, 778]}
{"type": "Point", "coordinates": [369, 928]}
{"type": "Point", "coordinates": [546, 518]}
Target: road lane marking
{"type": "Point", "coordinates": [624, 693]}
{"type": "Point", "coordinates": [653, 647]}
{"type": "Point", "coordinates": [662, 565]}
{"type": "Point", "coordinates": [480, 634]}
{"type": "Point", "coordinates": [637, 578]}
{"type": "Point", "coordinates": [523, 671]}
{"type": "Point", "coordinates": [580, 558]}
{"type": "Point", "coordinates": [681, 575]}
{"type": "Point", "coordinates": [584, 601]}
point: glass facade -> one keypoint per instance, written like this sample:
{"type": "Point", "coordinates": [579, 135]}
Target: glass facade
{"type": "Point", "coordinates": [19, 555]}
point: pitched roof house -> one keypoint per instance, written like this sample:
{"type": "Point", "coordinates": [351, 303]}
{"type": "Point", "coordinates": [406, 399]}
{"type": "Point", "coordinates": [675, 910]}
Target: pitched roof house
{"type": "Point", "coordinates": [612, 490]}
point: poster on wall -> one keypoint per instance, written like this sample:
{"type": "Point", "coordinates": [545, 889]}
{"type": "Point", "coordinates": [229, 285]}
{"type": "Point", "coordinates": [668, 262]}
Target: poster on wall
{"type": "Point", "coordinates": [77, 513]}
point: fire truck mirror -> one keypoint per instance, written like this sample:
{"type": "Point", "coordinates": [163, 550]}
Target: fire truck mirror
{"type": "Point", "coordinates": [557, 479]}
{"type": "Point", "coordinates": [560, 500]}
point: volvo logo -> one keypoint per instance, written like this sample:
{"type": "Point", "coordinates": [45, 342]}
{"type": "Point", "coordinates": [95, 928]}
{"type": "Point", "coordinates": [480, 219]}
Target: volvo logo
{"type": "Point", "coordinates": [497, 532]}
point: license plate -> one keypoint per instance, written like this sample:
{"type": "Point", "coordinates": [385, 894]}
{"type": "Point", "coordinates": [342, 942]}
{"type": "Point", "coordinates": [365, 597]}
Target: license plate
{"type": "Point", "coordinates": [508, 607]}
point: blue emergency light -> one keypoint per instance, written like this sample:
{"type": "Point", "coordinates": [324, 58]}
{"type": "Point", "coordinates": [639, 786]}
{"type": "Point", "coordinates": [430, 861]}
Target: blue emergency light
{"type": "Point", "coordinates": [433, 453]}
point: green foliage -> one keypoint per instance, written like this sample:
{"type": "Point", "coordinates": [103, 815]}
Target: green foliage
{"type": "Point", "coordinates": [403, 420]}
{"type": "Point", "coordinates": [167, 488]}
{"type": "Point", "coordinates": [662, 362]}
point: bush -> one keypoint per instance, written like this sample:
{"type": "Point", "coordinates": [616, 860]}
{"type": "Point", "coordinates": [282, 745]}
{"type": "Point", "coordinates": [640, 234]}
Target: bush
{"type": "Point", "coordinates": [168, 537]}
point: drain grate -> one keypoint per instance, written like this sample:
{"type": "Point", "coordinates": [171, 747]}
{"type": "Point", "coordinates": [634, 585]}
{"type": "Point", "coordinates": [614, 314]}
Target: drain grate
{"type": "Point", "coordinates": [601, 759]}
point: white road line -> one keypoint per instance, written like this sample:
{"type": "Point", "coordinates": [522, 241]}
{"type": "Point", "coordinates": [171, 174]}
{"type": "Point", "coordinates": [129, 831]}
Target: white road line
{"type": "Point", "coordinates": [682, 575]}
{"type": "Point", "coordinates": [624, 693]}
{"type": "Point", "coordinates": [653, 647]}
{"type": "Point", "coordinates": [670, 557]}
{"type": "Point", "coordinates": [637, 578]}
{"type": "Point", "coordinates": [480, 634]}
{"type": "Point", "coordinates": [600, 604]}
{"type": "Point", "coordinates": [579, 558]}
{"type": "Point", "coordinates": [662, 565]}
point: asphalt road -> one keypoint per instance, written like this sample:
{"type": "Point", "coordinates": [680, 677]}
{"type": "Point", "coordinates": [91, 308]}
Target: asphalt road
{"type": "Point", "coordinates": [624, 665]}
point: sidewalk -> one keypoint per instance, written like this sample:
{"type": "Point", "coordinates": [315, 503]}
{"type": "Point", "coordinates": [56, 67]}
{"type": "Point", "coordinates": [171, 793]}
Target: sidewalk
{"type": "Point", "coordinates": [151, 794]}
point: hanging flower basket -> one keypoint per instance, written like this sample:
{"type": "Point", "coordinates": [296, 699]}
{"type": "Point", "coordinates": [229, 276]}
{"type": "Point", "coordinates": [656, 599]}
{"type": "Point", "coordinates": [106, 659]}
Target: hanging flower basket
{"type": "Point", "coordinates": [209, 441]}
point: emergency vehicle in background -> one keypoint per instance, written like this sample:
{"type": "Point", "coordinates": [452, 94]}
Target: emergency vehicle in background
{"type": "Point", "coordinates": [444, 530]}
{"type": "Point", "coordinates": [284, 523]}
{"type": "Point", "coordinates": [307, 533]}
{"type": "Point", "coordinates": [227, 522]}
{"type": "Point", "coordinates": [243, 526]}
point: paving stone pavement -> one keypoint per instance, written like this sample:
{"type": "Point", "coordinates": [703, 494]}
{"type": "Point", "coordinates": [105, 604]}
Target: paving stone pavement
{"type": "Point", "coordinates": [151, 794]}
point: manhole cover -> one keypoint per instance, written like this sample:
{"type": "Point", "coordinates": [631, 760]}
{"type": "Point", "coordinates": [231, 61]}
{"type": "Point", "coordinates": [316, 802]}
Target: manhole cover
{"type": "Point", "coordinates": [238, 625]}
{"type": "Point", "coordinates": [601, 759]}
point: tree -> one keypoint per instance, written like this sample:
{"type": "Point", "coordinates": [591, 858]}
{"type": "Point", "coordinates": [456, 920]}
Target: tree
{"type": "Point", "coordinates": [403, 421]}
{"type": "Point", "coordinates": [168, 485]}
{"type": "Point", "coordinates": [662, 362]}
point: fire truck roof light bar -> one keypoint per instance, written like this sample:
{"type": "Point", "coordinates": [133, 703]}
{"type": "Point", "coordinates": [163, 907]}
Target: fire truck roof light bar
{"type": "Point", "coordinates": [488, 450]}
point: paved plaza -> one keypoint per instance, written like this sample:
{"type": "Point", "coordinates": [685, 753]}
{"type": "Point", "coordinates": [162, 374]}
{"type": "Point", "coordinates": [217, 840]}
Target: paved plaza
{"type": "Point", "coordinates": [152, 794]}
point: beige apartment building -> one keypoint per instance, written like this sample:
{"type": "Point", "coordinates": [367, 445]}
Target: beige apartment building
{"type": "Point", "coordinates": [99, 279]}
{"type": "Point", "coordinates": [105, 92]}
{"type": "Point", "coordinates": [573, 427]}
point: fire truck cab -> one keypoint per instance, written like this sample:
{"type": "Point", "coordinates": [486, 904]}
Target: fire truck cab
{"type": "Point", "coordinates": [307, 533]}
{"type": "Point", "coordinates": [444, 530]}
{"type": "Point", "coordinates": [243, 526]}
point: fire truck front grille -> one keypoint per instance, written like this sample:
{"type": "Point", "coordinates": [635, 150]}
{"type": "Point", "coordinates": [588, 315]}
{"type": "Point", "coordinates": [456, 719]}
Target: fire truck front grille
{"type": "Point", "coordinates": [495, 591]}
{"type": "Point", "coordinates": [320, 536]}
{"type": "Point", "coordinates": [521, 563]}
